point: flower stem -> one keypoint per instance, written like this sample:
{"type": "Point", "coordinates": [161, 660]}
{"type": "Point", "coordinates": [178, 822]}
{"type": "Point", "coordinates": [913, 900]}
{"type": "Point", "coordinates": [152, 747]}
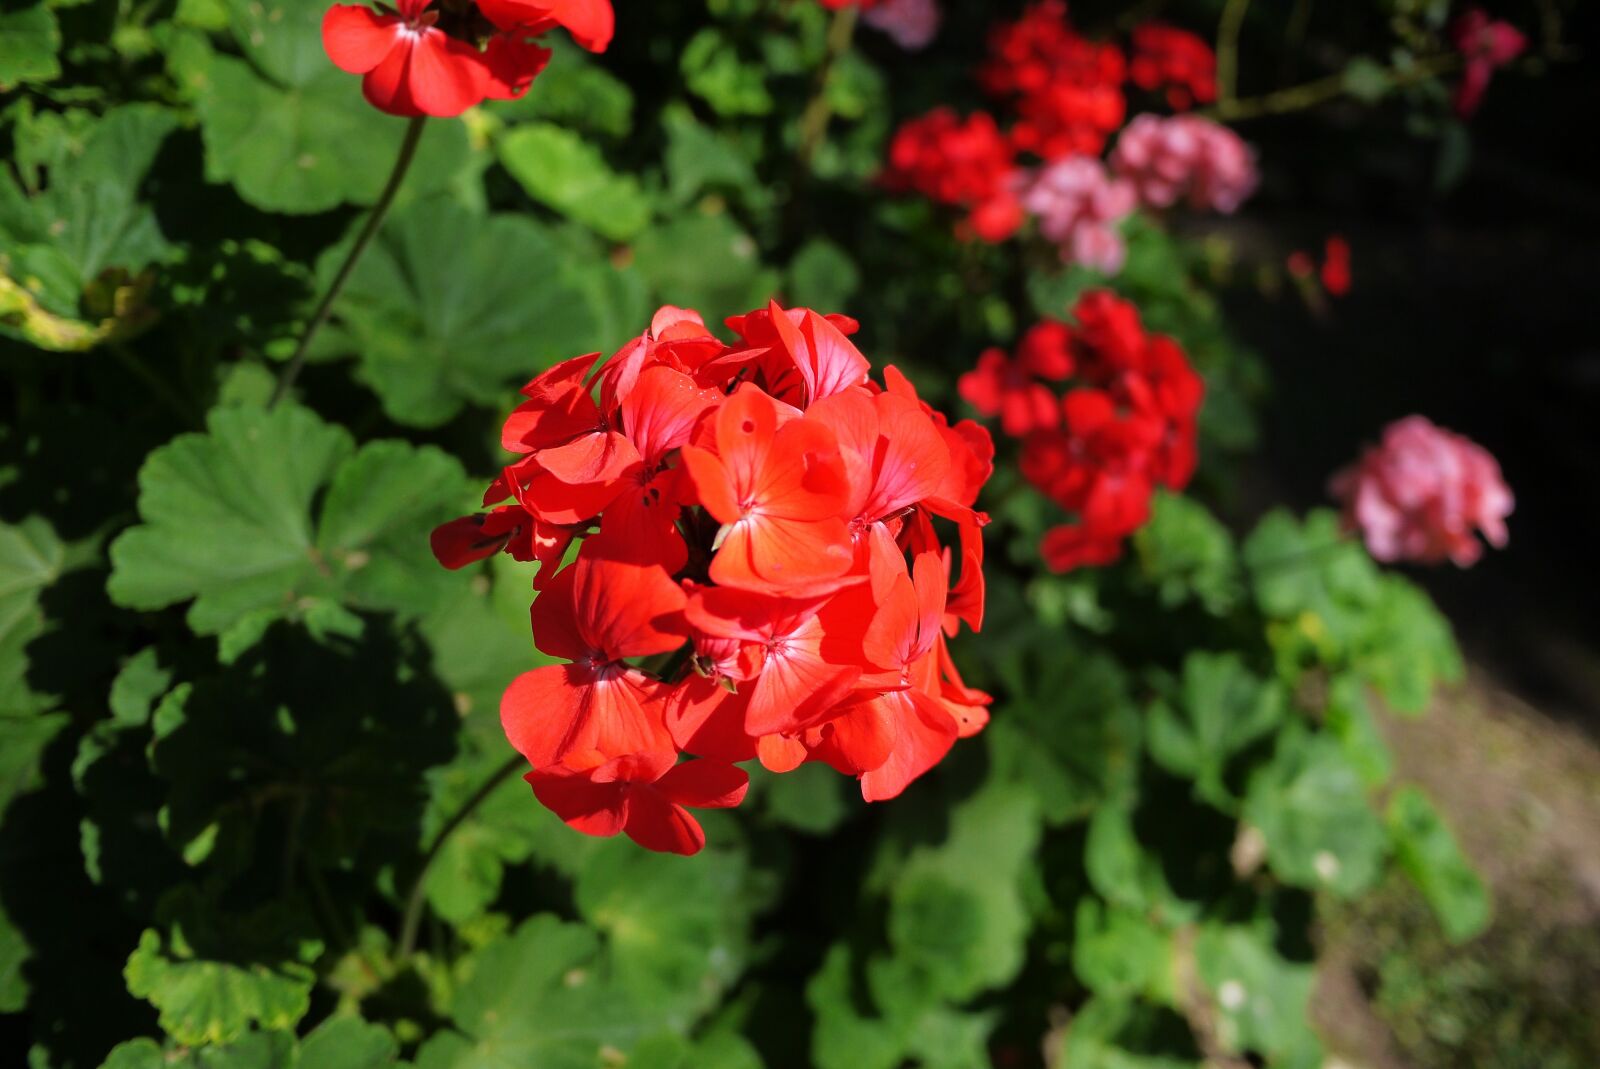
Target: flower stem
{"type": "Point", "coordinates": [819, 110]}
{"type": "Point", "coordinates": [412, 919]}
{"type": "Point", "coordinates": [1228, 28]}
{"type": "Point", "coordinates": [369, 230]}
{"type": "Point", "coordinates": [1322, 90]}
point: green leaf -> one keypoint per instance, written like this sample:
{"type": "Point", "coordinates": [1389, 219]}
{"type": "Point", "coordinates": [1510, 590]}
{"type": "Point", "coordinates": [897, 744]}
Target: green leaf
{"type": "Point", "coordinates": [14, 955]}
{"type": "Point", "coordinates": [448, 309]}
{"type": "Point", "coordinates": [282, 38]}
{"type": "Point", "coordinates": [1219, 709]}
{"type": "Point", "coordinates": [574, 91]}
{"type": "Point", "coordinates": [340, 1042]}
{"type": "Point", "coordinates": [812, 799]}
{"type": "Point", "coordinates": [209, 1001]}
{"type": "Point", "coordinates": [254, 1050]}
{"type": "Point", "coordinates": [913, 1026]}
{"type": "Point", "coordinates": [227, 521]}
{"type": "Point", "coordinates": [707, 263]}
{"type": "Point", "coordinates": [89, 219]}
{"type": "Point", "coordinates": [1367, 80]}
{"type": "Point", "coordinates": [313, 144]}
{"type": "Point", "coordinates": [539, 997]}
{"type": "Point", "coordinates": [716, 72]}
{"type": "Point", "coordinates": [1120, 953]}
{"type": "Point", "coordinates": [677, 929]}
{"type": "Point", "coordinates": [1349, 719]}
{"type": "Point", "coordinates": [1315, 584]}
{"type": "Point", "coordinates": [698, 158]}
{"type": "Point", "coordinates": [31, 559]}
{"type": "Point", "coordinates": [1426, 851]}
{"type": "Point", "coordinates": [1261, 1000]}
{"type": "Point", "coordinates": [1310, 805]}
{"type": "Point", "coordinates": [844, 1036]}
{"type": "Point", "coordinates": [559, 169]}
{"type": "Point", "coordinates": [822, 276]}
{"type": "Point", "coordinates": [957, 912]}
{"type": "Point", "coordinates": [1186, 554]}
{"type": "Point", "coordinates": [140, 682]}
{"type": "Point", "coordinates": [1069, 727]}
{"type": "Point", "coordinates": [1124, 872]}
{"type": "Point", "coordinates": [1094, 1038]}
{"type": "Point", "coordinates": [348, 1042]}
{"type": "Point", "coordinates": [1407, 647]}
{"type": "Point", "coordinates": [29, 41]}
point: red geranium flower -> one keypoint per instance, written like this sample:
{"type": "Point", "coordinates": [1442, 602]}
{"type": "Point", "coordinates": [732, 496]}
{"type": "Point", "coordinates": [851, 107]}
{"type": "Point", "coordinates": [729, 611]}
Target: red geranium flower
{"type": "Point", "coordinates": [411, 66]}
{"type": "Point", "coordinates": [1127, 426]}
{"type": "Point", "coordinates": [647, 796]}
{"type": "Point", "coordinates": [749, 591]}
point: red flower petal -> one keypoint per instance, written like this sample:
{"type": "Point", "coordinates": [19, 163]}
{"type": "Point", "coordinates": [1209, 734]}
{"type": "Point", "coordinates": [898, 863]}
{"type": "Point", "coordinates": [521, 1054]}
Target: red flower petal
{"type": "Point", "coordinates": [357, 38]}
{"type": "Point", "coordinates": [447, 76]}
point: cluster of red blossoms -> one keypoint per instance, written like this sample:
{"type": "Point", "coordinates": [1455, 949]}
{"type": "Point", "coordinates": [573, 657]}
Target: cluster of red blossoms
{"type": "Point", "coordinates": [1067, 95]}
{"type": "Point", "coordinates": [1125, 425]}
{"type": "Point", "coordinates": [758, 524]}
{"type": "Point", "coordinates": [419, 60]}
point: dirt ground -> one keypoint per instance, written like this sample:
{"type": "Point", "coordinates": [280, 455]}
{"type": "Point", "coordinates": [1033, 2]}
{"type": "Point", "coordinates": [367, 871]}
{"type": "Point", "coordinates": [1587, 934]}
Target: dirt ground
{"type": "Point", "coordinates": [1521, 789]}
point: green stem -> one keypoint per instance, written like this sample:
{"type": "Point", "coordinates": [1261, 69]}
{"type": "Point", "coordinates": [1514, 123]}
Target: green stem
{"type": "Point", "coordinates": [402, 163]}
{"type": "Point", "coordinates": [1228, 29]}
{"type": "Point", "coordinates": [819, 110]}
{"type": "Point", "coordinates": [1322, 90]}
{"type": "Point", "coordinates": [412, 919]}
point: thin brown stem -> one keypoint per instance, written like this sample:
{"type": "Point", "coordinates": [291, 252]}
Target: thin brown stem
{"type": "Point", "coordinates": [369, 230]}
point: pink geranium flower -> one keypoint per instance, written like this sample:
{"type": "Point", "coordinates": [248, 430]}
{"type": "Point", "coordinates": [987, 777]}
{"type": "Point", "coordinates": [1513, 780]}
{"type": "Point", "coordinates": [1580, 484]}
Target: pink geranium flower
{"type": "Point", "coordinates": [1187, 158]}
{"type": "Point", "coordinates": [1486, 45]}
{"type": "Point", "coordinates": [1424, 494]}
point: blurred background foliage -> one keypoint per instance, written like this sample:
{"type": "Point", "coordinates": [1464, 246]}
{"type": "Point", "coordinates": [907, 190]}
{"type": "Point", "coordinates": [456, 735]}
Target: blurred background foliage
{"type": "Point", "coordinates": [241, 709]}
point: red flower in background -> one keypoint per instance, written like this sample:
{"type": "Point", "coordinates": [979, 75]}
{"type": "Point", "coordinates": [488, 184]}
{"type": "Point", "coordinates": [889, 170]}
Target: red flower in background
{"type": "Point", "coordinates": [757, 507]}
{"type": "Point", "coordinates": [422, 61]}
{"type": "Point", "coordinates": [1334, 272]}
{"type": "Point", "coordinates": [1485, 45]}
{"type": "Point", "coordinates": [1066, 89]}
{"type": "Point", "coordinates": [1336, 266]}
{"type": "Point", "coordinates": [1126, 427]}
{"type": "Point", "coordinates": [1424, 494]}
{"type": "Point", "coordinates": [966, 163]}
{"type": "Point", "coordinates": [1180, 62]}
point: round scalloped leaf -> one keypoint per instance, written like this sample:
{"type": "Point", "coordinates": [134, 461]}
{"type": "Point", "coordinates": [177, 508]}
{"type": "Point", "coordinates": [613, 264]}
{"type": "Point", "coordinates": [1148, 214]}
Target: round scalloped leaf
{"type": "Point", "coordinates": [228, 522]}
{"type": "Point", "coordinates": [448, 309]}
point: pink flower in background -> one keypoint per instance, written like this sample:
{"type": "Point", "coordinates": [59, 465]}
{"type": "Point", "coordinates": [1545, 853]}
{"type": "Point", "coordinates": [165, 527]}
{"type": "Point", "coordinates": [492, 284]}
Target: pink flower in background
{"type": "Point", "coordinates": [1185, 157]}
{"type": "Point", "coordinates": [1486, 45]}
{"type": "Point", "coordinates": [1423, 494]}
{"type": "Point", "coordinates": [1078, 205]}
{"type": "Point", "coordinates": [911, 24]}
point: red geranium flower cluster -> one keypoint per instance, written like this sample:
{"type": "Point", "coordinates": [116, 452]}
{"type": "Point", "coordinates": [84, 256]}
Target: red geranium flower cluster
{"type": "Point", "coordinates": [966, 163]}
{"type": "Point", "coordinates": [1125, 426]}
{"type": "Point", "coordinates": [757, 522]}
{"type": "Point", "coordinates": [1065, 93]}
{"type": "Point", "coordinates": [1174, 60]}
{"type": "Point", "coordinates": [419, 60]}
{"type": "Point", "coordinates": [1066, 89]}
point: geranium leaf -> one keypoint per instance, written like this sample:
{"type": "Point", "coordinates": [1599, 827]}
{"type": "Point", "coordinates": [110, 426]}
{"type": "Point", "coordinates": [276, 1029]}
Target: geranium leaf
{"type": "Point", "coordinates": [449, 309]}
{"type": "Point", "coordinates": [228, 522]}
